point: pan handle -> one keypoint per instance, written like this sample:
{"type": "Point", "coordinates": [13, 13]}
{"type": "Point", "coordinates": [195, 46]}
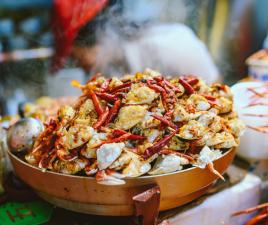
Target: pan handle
{"type": "Point", "coordinates": [147, 205]}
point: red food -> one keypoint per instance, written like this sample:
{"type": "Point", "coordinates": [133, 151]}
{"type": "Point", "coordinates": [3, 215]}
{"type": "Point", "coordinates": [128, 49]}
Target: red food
{"type": "Point", "coordinates": [113, 112]}
{"type": "Point", "coordinates": [158, 146]}
{"type": "Point", "coordinates": [102, 118]}
{"type": "Point", "coordinates": [96, 102]}
{"type": "Point", "coordinates": [188, 88]}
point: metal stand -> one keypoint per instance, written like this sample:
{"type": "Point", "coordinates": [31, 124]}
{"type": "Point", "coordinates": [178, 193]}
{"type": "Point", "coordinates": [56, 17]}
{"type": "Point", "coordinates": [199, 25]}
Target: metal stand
{"type": "Point", "coordinates": [147, 205]}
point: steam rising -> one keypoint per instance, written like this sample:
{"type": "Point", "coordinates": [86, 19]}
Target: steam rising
{"type": "Point", "coordinates": [140, 36]}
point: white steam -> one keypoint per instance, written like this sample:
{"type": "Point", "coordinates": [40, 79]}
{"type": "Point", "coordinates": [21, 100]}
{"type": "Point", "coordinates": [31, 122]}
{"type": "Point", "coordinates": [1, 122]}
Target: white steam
{"type": "Point", "coordinates": [140, 37]}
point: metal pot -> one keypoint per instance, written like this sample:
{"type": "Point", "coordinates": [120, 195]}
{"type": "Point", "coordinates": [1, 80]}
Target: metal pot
{"type": "Point", "coordinates": [84, 194]}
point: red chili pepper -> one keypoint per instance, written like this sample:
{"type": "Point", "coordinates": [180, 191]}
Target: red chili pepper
{"type": "Point", "coordinates": [119, 87]}
{"type": "Point", "coordinates": [209, 97]}
{"type": "Point", "coordinates": [105, 85]}
{"type": "Point", "coordinates": [158, 146]}
{"type": "Point", "coordinates": [136, 137]}
{"type": "Point", "coordinates": [94, 77]}
{"type": "Point", "coordinates": [165, 121]}
{"type": "Point", "coordinates": [155, 87]}
{"type": "Point", "coordinates": [159, 78]}
{"type": "Point", "coordinates": [119, 91]}
{"type": "Point", "coordinates": [107, 97]}
{"type": "Point", "coordinates": [96, 102]}
{"type": "Point", "coordinates": [170, 151]}
{"type": "Point", "coordinates": [127, 136]}
{"type": "Point", "coordinates": [118, 132]}
{"type": "Point", "coordinates": [193, 81]}
{"type": "Point", "coordinates": [173, 87]}
{"type": "Point", "coordinates": [188, 88]}
{"type": "Point", "coordinates": [113, 112]}
{"type": "Point", "coordinates": [158, 89]}
{"type": "Point", "coordinates": [169, 114]}
{"type": "Point", "coordinates": [102, 118]}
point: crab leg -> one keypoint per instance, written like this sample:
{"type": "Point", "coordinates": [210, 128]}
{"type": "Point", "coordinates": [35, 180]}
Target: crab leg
{"type": "Point", "coordinates": [47, 159]}
{"type": "Point", "coordinates": [169, 151]}
{"type": "Point", "coordinates": [102, 118]}
{"type": "Point", "coordinates": [255, 115]}
{"type": "Point", "coordinates": [124, 137]}
{"type": "Point", "coordinates": [96, 102]}
{"type": "Point", "coordinates": [256, 104]}
{"type": "Point", "coordinates": [211, 168]}
{"type": "Point", "coordinates": [188, 88]}
{"type": "Point", "coordinates": [250, 210]}
{"type": "Point", "coordinates": [64, 156]}
{"type": "Point", "coordinates": [262, 129]}
{"type": "Point", "coordinates": [256, 219]}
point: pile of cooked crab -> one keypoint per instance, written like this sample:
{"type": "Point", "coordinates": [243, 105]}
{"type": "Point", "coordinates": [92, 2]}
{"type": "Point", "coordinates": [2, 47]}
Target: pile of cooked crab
{"type": "Point", "coordinates": [142, 124]}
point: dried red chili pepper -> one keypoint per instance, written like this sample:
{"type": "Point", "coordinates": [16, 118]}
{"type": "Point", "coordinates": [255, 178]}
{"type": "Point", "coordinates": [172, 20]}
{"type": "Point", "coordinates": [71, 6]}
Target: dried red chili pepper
{"type": "Point", "coordinates": [102, 118]}
{"type": "Point", "coordinates": [158, 146]}
{"type": "Point", "coordinates": [188, 88]}
{"type": "Point", "coordinates": [160, 90]}
{"type": "Point", "coordinates": [155, 87]}
{"type": "Point", "coordinates": [113, 112]}
{"type": "Point", "coordinates": [94, 77]}
{"type": "Point", "coordinates": [118, 132]}
{"type": "Point", "coordinates": [209, 97]}
{"type": "Point", "coordinates": [120, 91]}
{"type": "Point", "coordinates": [119, 87]}
{"type": "Point", "coordinates": [173, 87]}
{"type": "Point", "coordinates": [165, 121]}
{"type": "Point", "coordinates": [158, 78]}
{"type": "Point", "coordinates": [107, 97]}
{"type": "Point", "coordinates": [193, 81]}
{"type": "Point", "coordinates": [105, 85]}
{"type": "Point", "coordinates": [169, 114]}
{"type": "Point", "coordinates": [127, 136]}
{"type": "Point", "coordinates": [96, 102]}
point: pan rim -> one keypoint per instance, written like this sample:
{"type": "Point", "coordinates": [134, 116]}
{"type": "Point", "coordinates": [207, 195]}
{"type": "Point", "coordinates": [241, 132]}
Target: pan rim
{"type": "Point", "coordinates": [126, 178]}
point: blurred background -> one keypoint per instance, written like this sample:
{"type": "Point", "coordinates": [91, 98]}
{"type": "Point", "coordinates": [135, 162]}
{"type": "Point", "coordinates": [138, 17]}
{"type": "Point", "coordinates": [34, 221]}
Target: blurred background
{"type": "Point", "coordinates": [44, 44]}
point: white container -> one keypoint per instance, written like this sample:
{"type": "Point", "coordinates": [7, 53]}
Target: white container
{"type": "Point", "coordinates": [253, 144]}
{"type": "Point", "coordinates": [258, 65]}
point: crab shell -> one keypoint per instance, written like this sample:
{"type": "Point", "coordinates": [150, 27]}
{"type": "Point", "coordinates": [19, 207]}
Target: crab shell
{"type": "Point", "coordinates": [108, 153]}
{"type": "Point", "coordinates": [167, 164]}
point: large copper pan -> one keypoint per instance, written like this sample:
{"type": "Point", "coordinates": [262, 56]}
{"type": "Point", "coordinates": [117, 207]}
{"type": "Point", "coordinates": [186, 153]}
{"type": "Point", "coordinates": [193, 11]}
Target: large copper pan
{"type": "Point", "coordinates": [84, 194]}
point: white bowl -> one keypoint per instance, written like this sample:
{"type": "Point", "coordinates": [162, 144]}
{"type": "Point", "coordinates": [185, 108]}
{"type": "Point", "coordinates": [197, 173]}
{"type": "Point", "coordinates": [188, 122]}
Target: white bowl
{"type": "Point", "coordinates": [254, 144]}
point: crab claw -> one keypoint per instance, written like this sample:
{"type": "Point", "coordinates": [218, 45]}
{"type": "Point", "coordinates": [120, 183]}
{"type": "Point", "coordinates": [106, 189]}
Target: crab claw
{"type": "Point", "coordinates": [168, 164]}
{"type": "Point", "coordinates": [211, 168]}
{"type": "Point", "coordinates": [109, 177]}
{"type": "Point", "coordinates": [67, 156]}
{"type": "Point", "coordinates": [108, 153]}
{"type": "Point", "coordinates": [47, 160]}
{"type": "Point", "coordinates": [91, 169]}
